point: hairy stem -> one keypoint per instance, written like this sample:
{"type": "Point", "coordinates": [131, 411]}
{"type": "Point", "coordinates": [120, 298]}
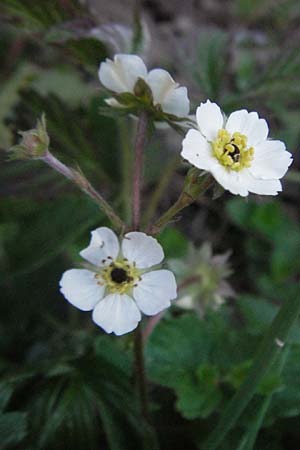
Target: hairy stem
{"type": "Point", "coordinates": [79, 179]}
{"type": "Point", "coordinates": [195, 187]}
{"type": "Point", "coordinates": [267, 353]}
{"type": "Point", "coordinates": [149, 438]}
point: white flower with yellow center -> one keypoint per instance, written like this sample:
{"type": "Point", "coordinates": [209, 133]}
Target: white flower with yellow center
{"type": "Point", "coordinates": [122, 74]}
{"type": "Point", "coordinates": [236, 151]}
{"type": "Point", "coordinates": [119, 285]}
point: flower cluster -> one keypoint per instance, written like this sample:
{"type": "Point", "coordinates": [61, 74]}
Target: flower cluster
{"type": "Point", "coordinates": [134, 87]}
{"type": "Point", "coordinates": [119, 286]}
{"type": "Point", "coordinates": [235, 150]}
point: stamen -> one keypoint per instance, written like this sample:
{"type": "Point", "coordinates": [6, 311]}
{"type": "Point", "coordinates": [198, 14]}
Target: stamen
{"type": "Point", "coordinates": [119, 276]}
{"type": "Point", "coordinates": [232, 151]}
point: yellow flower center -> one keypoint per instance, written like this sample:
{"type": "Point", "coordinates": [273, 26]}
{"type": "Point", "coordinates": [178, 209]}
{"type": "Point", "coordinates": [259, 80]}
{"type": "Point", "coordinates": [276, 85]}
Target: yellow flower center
{"type": "Point", "coordinates": [232, 151]}
{"type": "Point", "coordinates": [119, 277]}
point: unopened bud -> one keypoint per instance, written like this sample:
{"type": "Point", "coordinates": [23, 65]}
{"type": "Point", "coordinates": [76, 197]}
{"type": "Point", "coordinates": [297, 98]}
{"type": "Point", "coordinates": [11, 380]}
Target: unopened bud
{"type": "Point", "coordinates": [143, 91]}
{"type": "Point", "coordinates": [34, 143]}
{"type": "Point", "coordinates": [196, 182]}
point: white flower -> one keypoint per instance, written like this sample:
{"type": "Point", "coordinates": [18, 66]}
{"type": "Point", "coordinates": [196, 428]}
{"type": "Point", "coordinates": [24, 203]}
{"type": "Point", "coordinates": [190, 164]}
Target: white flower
{"type": "Point", "coordinates": [236, 151]}
{"type": "Point", "coordinates": [122, 74]}
{"type": "Point", "coordinates": [119, 286]}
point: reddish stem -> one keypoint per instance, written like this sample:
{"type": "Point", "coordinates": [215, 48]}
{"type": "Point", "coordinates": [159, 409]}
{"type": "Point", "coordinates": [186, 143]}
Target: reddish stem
{"type": "Point", "coordinates": [136, 217]}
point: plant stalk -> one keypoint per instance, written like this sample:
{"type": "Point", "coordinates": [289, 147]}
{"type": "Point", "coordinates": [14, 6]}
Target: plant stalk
{"type": "Point", "coordinates": [149, 437]}
{"type": "Point", "coordinates": [79, 179]}
{"type": "Point", "coordinates": [194, 187]}
{"type": "Point", "coordinates": [253, 432]}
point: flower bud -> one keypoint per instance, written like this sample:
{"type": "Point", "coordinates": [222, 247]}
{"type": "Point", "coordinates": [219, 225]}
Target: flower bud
{"type": "Point", "coordinates": [196, 182]}
{"type": "Point", "coordinates": [34, 143]}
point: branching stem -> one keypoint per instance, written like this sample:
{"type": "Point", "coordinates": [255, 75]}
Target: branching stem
{"type": "Point", "coordinates": [79, 179]}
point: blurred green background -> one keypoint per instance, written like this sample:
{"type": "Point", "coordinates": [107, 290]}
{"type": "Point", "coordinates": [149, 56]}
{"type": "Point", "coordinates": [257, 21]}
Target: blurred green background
{"type": "Point", "coordinates": [64, 383]}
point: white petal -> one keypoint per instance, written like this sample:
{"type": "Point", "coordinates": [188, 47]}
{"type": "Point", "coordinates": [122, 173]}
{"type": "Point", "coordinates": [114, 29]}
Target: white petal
{"type": "Point", "coordinates": [160, 82]}
{"type": "Point", "coordinates": [249, 124]}
{"type": "Point", "coordinates": [104, 246]}
{"type": "Point", "coordinates": [154, 291]}
{"type": "Point", "coordinates": [165, 91]}
{"type": "Point", "coordinates": [258, 186]}
{"type": "Point", "coordinates": [114, 103]}
{"type": "Point", "coordinates": [80, 288]}
{"type": "Point", "coordinates": [142, 250]}
{"type": "Point", "coordinates": [198, 151]}
{"type": "Point", "coordinates": [176, 102]}
{"type": "Point", "coordinates": [270, 160]}
{"type": "Point", "coordinates": [230, 180]}
{"type": "Point", "coordinates": [236, 121]}
{"type": "Point", "coordinates": [210, 119]}
{"type": "Point", "coordinates": [117, 314]}
{"type": "Point", "coordinates": [121, 74]}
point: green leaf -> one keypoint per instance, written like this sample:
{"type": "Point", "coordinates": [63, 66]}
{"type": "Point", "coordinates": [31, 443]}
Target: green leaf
{"type": "Point", "coordinates": [13, 428]}
{"type": "Point", "coordinates": [81, 393]}
{"type": "Point", "coordinates": [197, 399]}
{"type": "Point", "coordinates": [190, 356]}
{"type": "Point", "coordinates": [6, 392]}
{"type": "Point", "coordinates": [174, 243]}
{"type": "Point", "coordinates": [40, 16]}
{"type": "Point", "coordinates": [286, 402]}
{"type": "Point", "coordinates": [257, 315]}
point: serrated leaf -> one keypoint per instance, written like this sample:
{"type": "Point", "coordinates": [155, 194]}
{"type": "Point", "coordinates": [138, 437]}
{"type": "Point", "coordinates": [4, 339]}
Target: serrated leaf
{"type": "Point", "coordinates": [195, 399]}
{"type": "Point", "coordinates": [192, 357]}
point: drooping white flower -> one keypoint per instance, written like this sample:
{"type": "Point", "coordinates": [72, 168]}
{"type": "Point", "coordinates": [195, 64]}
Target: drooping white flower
{"type": "Point", "coordinates": [209, 273]}
{"type": "Point", "coordinates": [122, 74]}
{"type": "Point", "coordinates": [236, 151]}
{"type": "Point", "coordinates": [120, 285]}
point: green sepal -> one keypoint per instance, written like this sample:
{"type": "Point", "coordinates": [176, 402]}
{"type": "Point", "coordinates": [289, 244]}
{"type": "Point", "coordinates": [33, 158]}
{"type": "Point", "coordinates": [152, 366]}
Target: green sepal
{"type": "Point", "coordinates": [143, 91]}
{"type": "Point", "coordinates": [34, 143]}
{"type": "Point", "coordinates": [142, 100]}
{"type": "Point", "coordinates": [195, 181]}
